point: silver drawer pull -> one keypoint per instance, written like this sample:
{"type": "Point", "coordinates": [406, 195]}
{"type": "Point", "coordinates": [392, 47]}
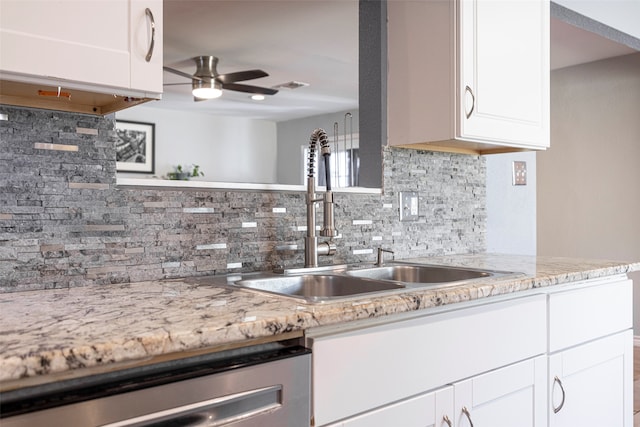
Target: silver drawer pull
{"type": "Point", "coordinates": [446, 419]}
{"type": "Point", "coordinates": [557, 380]}
{"type": "Point", "coordinates": [153, 34]}
{"type": "Point", "coordinates": [473, 101]}
{"type": "Point", "coordinates": [465, 411]}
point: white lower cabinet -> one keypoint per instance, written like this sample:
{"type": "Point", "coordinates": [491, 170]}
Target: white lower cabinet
{"type": "Point", "coordinates": [561, 358]}
{"type": "Point", "coordinates": [592, 384]}
{"type": "Point", "coordinates": [359, 371]}
{"type": "Point", "coordinates": [591, 356]}
{"type": "Point", "coordinates": [512, 396]}
{"type": "Point", "coordinates": [433, 409]}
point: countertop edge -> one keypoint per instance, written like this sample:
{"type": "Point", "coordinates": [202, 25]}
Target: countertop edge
{"type": "Point", "coordinates": [267, 317]}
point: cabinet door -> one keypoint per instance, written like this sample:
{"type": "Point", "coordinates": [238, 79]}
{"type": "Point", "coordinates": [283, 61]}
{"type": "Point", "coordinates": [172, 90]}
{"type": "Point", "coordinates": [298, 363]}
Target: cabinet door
{"type": "Point", "coordinates": [511, 396]}
{"type": "Point", "coordinates": [503, 90]}
{"type": "Point", "coordinates": [72, 40]}
{"type": "Point", "coordinates": [146, 45]}
{"type": "Point", "coordinates": [427, 410]}
{"type": "Point", "coordinates": [592, 385]}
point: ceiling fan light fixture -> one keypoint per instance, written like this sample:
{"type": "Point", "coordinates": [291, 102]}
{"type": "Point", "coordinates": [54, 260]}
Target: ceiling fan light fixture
{"type": "Point", "coordinates": [207, 83]}
{"type": "Point", "coordinates": [206, 89]}
{"type": "Point", "coordinates": [257, 97]}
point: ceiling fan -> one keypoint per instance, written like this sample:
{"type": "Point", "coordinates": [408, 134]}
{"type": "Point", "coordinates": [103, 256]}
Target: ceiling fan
{"type": "Point", "coordinates": [207, 83]}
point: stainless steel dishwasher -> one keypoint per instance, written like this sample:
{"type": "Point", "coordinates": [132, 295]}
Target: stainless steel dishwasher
{"type": "Point", "coordinates": [266, 385]}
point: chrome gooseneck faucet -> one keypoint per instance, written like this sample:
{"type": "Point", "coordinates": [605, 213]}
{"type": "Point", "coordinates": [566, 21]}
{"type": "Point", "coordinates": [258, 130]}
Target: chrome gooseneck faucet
{"type": "Point", "coordinates": [313, 248]}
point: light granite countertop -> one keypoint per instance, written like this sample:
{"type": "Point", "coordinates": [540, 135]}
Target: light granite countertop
{"type": "Point", "coordinates": [48, 333]}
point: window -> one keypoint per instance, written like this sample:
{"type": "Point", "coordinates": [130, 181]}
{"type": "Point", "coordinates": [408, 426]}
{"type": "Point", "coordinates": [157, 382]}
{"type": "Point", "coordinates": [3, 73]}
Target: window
{"type": "Point", "coordinates": [344, 165]}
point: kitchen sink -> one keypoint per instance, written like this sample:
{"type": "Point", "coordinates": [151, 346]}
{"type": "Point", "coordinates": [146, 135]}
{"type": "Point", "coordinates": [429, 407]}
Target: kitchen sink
{"type": "Point", "coordinates": [316, 288]}
{"type": "Point", "coordinates": [345, 282]}
{"type": "Point", "coordinates": [422, 274]}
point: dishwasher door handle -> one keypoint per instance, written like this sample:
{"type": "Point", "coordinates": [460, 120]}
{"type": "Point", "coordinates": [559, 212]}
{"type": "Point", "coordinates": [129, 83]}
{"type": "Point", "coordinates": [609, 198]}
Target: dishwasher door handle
{"type": "Point", "coordinates": [213, 412]}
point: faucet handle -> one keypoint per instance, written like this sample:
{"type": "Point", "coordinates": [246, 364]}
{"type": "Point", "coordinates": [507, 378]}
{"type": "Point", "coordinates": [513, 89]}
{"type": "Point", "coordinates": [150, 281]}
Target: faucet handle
{"type": "Point", "coordinates": [328, 225]}
{"type": "Point", "coordinates": [381, 252]}
{"type": "Point", "coordinates": [329, 232]}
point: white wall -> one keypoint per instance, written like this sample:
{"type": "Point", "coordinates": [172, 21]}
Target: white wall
{"type": "Point", "coordinates": [511, 210]}
{"type": "Point", "coordinates": [224, 147]}
{"type": "Point", "coordinates": [589, 181]}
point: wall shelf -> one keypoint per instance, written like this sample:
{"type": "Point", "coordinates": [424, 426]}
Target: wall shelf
{"type": "Point", "coordinates": [209, 185]}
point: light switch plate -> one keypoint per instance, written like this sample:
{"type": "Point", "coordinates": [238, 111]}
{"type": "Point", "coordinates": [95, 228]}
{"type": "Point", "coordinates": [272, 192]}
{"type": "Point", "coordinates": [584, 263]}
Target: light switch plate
{"type": "Point", "coordinates": [409, 206]}
{"type": "Point", "coordinates": [519, 173]}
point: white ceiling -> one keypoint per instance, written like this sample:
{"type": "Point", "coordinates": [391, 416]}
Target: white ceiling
{"type": "Point", "coordinates": [311, 41]}
{"type": "Point", "coordinates": [572, 46]}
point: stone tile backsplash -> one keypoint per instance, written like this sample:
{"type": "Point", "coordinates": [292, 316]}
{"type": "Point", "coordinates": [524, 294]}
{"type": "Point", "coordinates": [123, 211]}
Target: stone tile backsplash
{"type": "Point", "coordinates": [63, 221]}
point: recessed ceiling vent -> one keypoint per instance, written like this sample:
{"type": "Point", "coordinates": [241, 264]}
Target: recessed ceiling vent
{"type": "Point", "coordinates": [292, 85]}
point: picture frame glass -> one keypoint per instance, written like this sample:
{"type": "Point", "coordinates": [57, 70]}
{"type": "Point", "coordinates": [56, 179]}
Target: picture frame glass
{"type": "Point", "coordinates": [135, 146]}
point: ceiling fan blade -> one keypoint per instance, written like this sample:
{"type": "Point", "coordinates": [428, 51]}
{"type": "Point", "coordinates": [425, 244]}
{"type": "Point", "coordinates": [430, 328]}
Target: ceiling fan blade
{"type": "Point", "coordinates": [175, 84]}
{"type": "Point", "coordinates": [240, 76]}
{"type": "Point", "coordinates": [180, 73]}
{"type": "Point", "coordinates": [249, 89]}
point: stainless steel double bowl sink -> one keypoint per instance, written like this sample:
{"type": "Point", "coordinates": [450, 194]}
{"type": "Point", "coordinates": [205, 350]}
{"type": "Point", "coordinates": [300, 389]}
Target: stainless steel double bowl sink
{"type": "Point", "coordinates": [346, 283]}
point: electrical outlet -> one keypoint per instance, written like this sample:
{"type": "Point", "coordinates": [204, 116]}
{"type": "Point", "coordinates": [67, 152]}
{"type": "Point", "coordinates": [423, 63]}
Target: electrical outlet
{"type": "Point", "coordinates": [409, 202]}
{"type": "Point", "coordinates": [519, 173]}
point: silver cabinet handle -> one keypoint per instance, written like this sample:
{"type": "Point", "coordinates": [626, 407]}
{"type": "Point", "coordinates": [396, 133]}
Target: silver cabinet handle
{"type": "Point", "coordinates": [153, 34]}
{"type": "Point", "coordinates": [465, 411]}
{"type": "Point", "coordinates": [473, 99]}
{"type": "Point", "coordinates": [557, 380]}
{"type": "Point", "coordinates": [447, 420]}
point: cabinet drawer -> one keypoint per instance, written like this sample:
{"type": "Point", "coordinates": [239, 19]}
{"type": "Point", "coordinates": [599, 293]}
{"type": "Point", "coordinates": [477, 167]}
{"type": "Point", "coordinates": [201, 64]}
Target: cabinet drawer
{"type": "Point", "coordinates": [357, 371]}
{"type": "Point", "coordinates": [582, 315]}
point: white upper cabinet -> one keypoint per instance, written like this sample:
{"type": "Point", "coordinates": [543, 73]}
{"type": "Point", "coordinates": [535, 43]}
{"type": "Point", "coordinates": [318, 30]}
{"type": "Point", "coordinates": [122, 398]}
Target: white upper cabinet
{"type": "Point", "coordinates": [469, 75]}
{"type": "Point", "coordinates": [146, 45]}
{"type": "Point", "coordinates": [111, 47]}
{"type": "Point", "coordinates": [504, 72]}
